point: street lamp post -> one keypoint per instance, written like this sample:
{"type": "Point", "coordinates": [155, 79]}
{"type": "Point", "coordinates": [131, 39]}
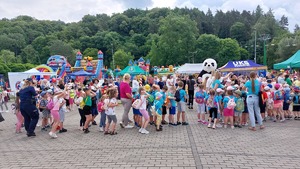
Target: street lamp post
{"type": "Point", "coordinates": [112, 54]}
{"type": "Point", "coordinates": [265, 37]}
{"type": "Point", "coordinates": [255, 46]}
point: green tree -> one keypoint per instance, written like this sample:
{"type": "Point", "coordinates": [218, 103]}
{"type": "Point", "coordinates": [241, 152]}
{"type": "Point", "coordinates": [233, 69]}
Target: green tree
{"type": "Point", "coordinates": [92, 52]}
{"type": "Point", "coordinates": [121, 59]}
{"type": "Point", "coordinates": [7, 57]}
{"type": "Point", "coordinates": [29, 54]}
{"type": "Point", "coordinates": [239, 32]}
{"type": "Point", "coordinates": [58, 47]}
{"type": "Point", "coordinates": [208, 46]}
{"type": "Point", "coordinates": [177, 38]}
{"type": "Point", "coordinates": [230, 50]}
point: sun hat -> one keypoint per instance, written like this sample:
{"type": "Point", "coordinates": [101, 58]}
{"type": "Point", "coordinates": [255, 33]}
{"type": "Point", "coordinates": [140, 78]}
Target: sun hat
{"type": "Point", "coordinates": [219, 90]}
{"type": "Point", "coordinates": [267, 88]}
{"type": "Point", "coordinates": [230, 88]}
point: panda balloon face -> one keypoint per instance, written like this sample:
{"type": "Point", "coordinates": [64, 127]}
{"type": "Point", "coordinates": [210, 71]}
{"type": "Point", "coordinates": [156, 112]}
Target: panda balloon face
{"type": "Point", "coordinates": [209, 65]}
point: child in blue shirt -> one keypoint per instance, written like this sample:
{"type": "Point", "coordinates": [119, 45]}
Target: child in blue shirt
{"type": "Point", "coordinates": [229, 111]}
{"type": "Point", "coordinates": [200, 100]}
{"type": "Point", "coordinates": [172, 106]}
{"type": "Point", "coordinates": [137, 116]}
{"type": "Point", "coordinates": [158, 103]}
{"type": "Point", "coordinates": [164, 107]}
{"type": "Point", "coordinates": [214, 107]}
{"type": "Point", "coordinates": [181, 104]}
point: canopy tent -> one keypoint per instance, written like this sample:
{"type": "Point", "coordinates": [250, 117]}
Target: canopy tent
{"type": "Point", "coordinates": [190, 68]}
{"type": "Point", "coordinates": [132, 70]}
{"type": "Point", "coordinates": [242, 66]}
{"type": "Point", "coordinates": [292, 62]}
{"type": "Point", "coordinates": [15, 78]}
{"type": "Point", "coordinates": [81, 73]}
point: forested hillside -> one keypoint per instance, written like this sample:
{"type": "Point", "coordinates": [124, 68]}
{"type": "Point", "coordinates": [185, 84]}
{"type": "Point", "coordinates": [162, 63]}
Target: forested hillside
{"type": "Point", "coordinates": [165, 36]}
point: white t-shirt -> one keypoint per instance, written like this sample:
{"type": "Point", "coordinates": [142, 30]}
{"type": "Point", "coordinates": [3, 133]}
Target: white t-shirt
{"type": "Point", "coordinates": [170, 83]}
{"type": "Point", "coordinates": [78, 101]}
{"type": "Point", "coordinates": [56, 103]}
{"type": "Point", "coordinates": [135, 84]}
{"type": "Point", "coordinates": [209, 83]}
{"type": "Point", "coordinates": [63, 107]}
{"type": "Point", "coordinates": [110, 110]}
{"type": "Point", "coordinates": [144, 102]}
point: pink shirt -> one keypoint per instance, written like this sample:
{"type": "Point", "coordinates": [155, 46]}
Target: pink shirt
{"type": "Point", "coordinates": [124, 88]}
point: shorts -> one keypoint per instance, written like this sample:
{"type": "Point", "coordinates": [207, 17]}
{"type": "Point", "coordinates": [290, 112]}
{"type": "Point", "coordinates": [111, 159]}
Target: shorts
{"type": "Point", "coordinates": [46, 114]}
{"type": "Point", "coordinates": [71, 100]}
{"type": "Point", "coordinates": [144, 113]}
{"type": "Point", "coordinates": [94, 111]}
{"type": "Point", "coordinates": [262, 108]}
{"type": "Point", "coordinates": [201, 108]}
{"type": "Point", "coordinates": [238, 114]}
{"type": "Point", "coordinates": [278, 105]}
{"type": "Point", "coordinates": [172, 110]}
{"type": "Point", "coordinates": [55, 114]}
{"type": "Point", "coordinates": [111, 118]}
{"type": "Point", "coordinates": [286, 106]}
{"type": "Point", "coordinates": [213, 113]}
{"type": "Point", "coordinates": [136, 112]}
{"type": "Point", "coordinates": [296, 108]}
{"type": "Point", "coordinates": [181, 106]}
{"type": "Point", "coordinates": [87, 110]}
{"type": "Point", "coordinates": [228, 112]}
{"type": "Point", "coordinates": [61, 115]}
{"type": "Point", "coordinates": [67, 102]}
{"type": "Point", "coordinates": [164, 110]}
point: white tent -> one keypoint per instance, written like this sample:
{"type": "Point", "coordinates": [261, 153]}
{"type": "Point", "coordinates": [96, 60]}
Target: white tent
{"type": "Point", "coordinates": [16, 78]}
{"type": "Point", "coordinates": [190, 68]}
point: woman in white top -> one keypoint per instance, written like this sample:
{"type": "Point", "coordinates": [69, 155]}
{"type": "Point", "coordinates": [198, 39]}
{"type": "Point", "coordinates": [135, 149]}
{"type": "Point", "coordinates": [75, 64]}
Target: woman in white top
{"type": "Point", "coordinates": [135, 85]}
{"type": "Point", "coordinates": [4, 100]}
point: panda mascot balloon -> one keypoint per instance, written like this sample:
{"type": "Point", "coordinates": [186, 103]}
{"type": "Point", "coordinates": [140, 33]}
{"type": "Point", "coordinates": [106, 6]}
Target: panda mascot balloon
{"type": "Point", "coordinates": [209, 66]}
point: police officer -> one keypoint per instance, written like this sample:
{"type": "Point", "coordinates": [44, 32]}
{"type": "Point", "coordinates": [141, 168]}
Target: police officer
{"type": "Point", "coordinates": [28, 106]}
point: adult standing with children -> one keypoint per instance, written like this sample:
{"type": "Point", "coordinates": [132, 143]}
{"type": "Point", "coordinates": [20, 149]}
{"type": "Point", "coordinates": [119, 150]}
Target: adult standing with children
{"type": "Point", "coordinates": [126, 99]}
{"type": "Point", "coordinates": [253, 87]}
{"type": "Point", "coordinates": [28, 106]}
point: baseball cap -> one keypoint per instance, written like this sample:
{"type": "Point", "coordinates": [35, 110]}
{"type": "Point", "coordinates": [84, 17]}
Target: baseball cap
{"type": "Point", "coordinates": [230, 88]}
{"type": "Point", "coordinates": [267, 88]}
{"type": "Point", "coordinates": [219, 90]}
{"type": "Point", "coordinates": [277, 86]}
{"type": "Point", "coordinates": [238, 92]}
{"type": "Point", "coordinates": [43, 93]}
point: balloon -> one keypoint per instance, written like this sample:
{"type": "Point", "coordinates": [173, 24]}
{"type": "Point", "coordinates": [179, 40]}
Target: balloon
{"type": "Point", "coordinates": [53, 80]}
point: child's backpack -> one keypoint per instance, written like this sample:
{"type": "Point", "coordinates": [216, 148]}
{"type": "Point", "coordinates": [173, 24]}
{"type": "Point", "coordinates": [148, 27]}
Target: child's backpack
{"type": "Point", "coordinates": [199, 98]}
{"type": "Point", "coordinates": [231, 104]}
{"type": "Point", "coordinates": [240, 106]}
{"type": "Point", "coordinates": [50, 104]}
{"type": "Point", "coordinates": [211, 102]}
{"type": "Point", "coordinates": [137, 103]}
{"type": "Point", "coordinates": [150, 99]}
{"type": "Point", "coordinates": [278, 95]}
{"type": "Point", "coordinates": [177, 95]}
{"type": "Point", "coordinates": [270, 101]}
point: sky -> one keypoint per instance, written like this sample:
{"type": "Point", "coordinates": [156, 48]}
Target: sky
{"type": "Point", "coordinates": [74, 10]}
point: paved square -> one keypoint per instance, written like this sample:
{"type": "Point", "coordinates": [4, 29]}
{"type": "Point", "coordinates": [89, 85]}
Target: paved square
{"type": "Point", "coordinates": [180, 147]}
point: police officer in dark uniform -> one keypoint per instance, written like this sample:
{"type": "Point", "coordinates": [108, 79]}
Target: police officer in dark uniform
{"type": "Point", "coordinates": [28, 106]}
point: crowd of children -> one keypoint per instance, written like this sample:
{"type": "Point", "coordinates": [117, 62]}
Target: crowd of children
{"type": "Point", "coordinates": [224, 102]}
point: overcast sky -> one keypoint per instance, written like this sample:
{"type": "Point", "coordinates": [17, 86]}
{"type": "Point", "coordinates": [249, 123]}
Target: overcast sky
{"type": "Point", "coordinates": [74, 10]}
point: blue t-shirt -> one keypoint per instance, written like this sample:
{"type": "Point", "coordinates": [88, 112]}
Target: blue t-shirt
{"type": "Point", "coordinates": [164, 96]}
{"type": "Point", "coordinates": [226, 100]}
{"type": "Point", "coordinates": [217, 81]}
{"type": "Point", "coordinates": [172, 101]}
{"type": "Point", "coordinates": [215, 102]}
{"type": "Point", "coordinates": [248, 85]}
{"type": "Point", "coordinates": [182, 95]}
{"type": "Point", "coordinates": [200, 95]}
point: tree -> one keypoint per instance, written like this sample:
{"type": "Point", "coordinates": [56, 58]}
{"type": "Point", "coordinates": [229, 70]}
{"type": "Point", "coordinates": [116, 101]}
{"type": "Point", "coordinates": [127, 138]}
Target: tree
{"type": "Point", "coordinates": [92, 52]}
{"type": "Point", "coordinates": [238, 31]}
{"type": "Point", "coordinates": [58, 47]}
{"type": "Point", "coordinates": [121, 58]}
{"type": "Point", "coordinates": [297, 28]}
{"type": "Point", "coordinates": [7, 57]}
{"type": "Point", "coordinates": [208, 46]}
{"type": "Point", "coordinates": [29, 54]}
{"type": "Point", "coordinates": [177, 38]}
{"type": "Point", "coordinates": [284, 22]}
{"type": "Point", "coordinates": [230, 50]}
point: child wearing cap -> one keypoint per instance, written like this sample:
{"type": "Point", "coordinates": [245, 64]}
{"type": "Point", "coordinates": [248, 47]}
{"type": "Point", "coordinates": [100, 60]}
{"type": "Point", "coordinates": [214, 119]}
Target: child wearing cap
{"type": "Point", "coordinates": [287, 100]}
{"type": "Point", "coordinates": [239, 108]}
{"type": "Point", "coordinates": [44, 110]}
{"type": "Point", "coordinates": [296, 103]}
{"type": "Point", "coordinates": [229, 105]}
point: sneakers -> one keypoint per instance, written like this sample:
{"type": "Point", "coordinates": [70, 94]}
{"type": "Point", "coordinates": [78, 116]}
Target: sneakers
{"type": "Point", "coordinates": [225, 126]}
{"type": "Point", "coordinates": [282, 120]}
{"type": "Point", "coordinates": [144, 131]}
{"type": "Point", "coordinates": [185, 123]}
{"type": "Point", "coordinates": [232, 127]}
{"type": "Point", "coordinates": [122, 125]}
{"type": "Point", "coordinates": [164, 122]}
{"type": "Point", "coordinates": [52, 135]}
{"type": "Point", "coordinates": [140, 130]}
{"type": "Point", "coordinates": [178, 123]}
{"type": "Point", "coordinates": [63, 130]}
{"type": "Point", "coordinates": [101, 129]}
{"type": "Point", "coordinates": [200, 121]}
{"type": "Point", "coordinates": [219, 125]}
{"type": "Point", "coordinates": [43, 129]}
{"type": "Point", "coordinates": [86, 130]}
{"type": "Point", "coordinates": [31, 134]}
{"type": "Point", "coordinates": [94, 123]}
{"type": "Point", "coordinates": [204, 122]}
{"type": "Point", "coordinates": [209, 125]}
{"type": "Point", "coordinates": [128, 126]}
{"type": "Point", "coordinates": [214, 126]}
